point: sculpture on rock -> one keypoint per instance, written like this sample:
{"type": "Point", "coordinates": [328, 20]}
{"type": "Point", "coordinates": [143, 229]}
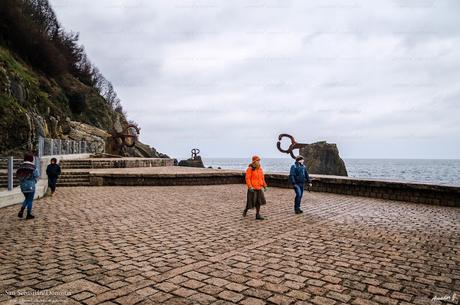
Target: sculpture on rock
{"type": "Point", "coordinates": [127, 136]}
{"type": "Point", "coordinates": [123, 137]}
{"type": "Point", "coordinates": [320, 157]}
{"type": "Point", "coordinates": [194, 161]}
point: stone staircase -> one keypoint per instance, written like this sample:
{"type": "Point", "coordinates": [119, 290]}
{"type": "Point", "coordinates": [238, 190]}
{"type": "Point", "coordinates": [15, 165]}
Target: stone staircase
{"type": "Point", "coordinates": [4, 180]}
{"type": "Point", "coordinates": [4, 174]}
{"type": "Point", "coordinates": [75, 172]}
{"type": "Point", "coordinates": [75, 164]}
{"type": "Point", "coordinates": [74, 178]}
{"type": "Point", "coordinates": [4, 163]}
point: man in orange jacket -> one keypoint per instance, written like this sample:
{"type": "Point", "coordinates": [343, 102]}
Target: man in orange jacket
{"type": "Point", "coordinates": [255, 181]}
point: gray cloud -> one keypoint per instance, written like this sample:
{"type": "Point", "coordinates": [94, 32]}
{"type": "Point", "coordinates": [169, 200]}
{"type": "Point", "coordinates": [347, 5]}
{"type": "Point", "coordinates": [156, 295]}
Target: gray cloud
{"type": "Point", "coordinates": [377, 77]}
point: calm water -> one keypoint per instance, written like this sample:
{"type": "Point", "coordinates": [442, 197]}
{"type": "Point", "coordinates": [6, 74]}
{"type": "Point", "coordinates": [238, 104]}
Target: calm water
{"type": "Point", "coordinates": [434, 171]}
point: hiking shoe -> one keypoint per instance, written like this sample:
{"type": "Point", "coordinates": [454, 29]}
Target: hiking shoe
{"type": "Point", "coordinates": [245, 212]}
{"type": "Point", "coordinates": [21, 213]}
{"type": "Point", "coordinates": [298, 211]}
{"type": "Point", "coordinates": [30, 216]}
{"type": "Point", "coordinates": [259, 217]}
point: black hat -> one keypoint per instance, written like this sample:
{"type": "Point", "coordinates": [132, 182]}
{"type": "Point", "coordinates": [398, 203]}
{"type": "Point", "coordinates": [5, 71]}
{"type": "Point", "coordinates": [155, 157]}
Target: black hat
{"type": "Point", "coordinates": [298, 158]}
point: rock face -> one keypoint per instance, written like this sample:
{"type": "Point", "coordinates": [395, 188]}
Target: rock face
{"type": "Point", "coordinates": [197, 162]}
{"type": "Point", "coordinates": [95, 137]}
{"type": "Point", "coordinates": [33, 105]}
{"type": "Point", "coordinates": [144, 151]}
{"type": "Point", "coordinates": [323, 158]}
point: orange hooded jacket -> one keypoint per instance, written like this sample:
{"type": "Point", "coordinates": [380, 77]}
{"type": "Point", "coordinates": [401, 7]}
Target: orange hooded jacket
{"type": "Point", "coordinates": [255, 178]}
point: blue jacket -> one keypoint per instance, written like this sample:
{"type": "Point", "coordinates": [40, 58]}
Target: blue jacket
{"type": "Point", "coordinates": [298, 174]}
{"type": "Point", "coordinates": [27, 184]}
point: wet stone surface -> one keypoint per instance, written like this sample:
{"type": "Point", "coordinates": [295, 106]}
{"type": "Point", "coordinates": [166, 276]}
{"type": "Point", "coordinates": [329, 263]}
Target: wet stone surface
{"type": "Point", "coordinates": [191, 245]}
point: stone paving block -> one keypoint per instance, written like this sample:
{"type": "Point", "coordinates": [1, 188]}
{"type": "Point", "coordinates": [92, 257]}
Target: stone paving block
{"type": "Point", "coordinates": [202, 298]}
{"type": "Point", "coordinates": [252, 301]}
{"type": "Point", "coordinates": [230, 296]}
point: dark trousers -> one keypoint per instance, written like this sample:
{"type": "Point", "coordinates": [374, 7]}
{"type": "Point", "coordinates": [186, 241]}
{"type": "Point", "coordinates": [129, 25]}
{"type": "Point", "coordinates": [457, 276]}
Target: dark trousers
{"type": "Point", "coordinates": [298, 188]}
{"type": "Point", "coordinates": [52, 183]}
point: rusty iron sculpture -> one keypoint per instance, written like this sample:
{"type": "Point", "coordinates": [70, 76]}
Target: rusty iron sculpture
{"type": "Point", "coordinates": [294, 145]}
{"type": "Point", "coordinates": [128, 136]}
{"type": "Point", "coordinates": [195, 153]}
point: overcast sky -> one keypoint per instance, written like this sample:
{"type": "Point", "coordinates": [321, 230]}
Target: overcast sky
{"type": "Point", "coordinates": [379, 78]}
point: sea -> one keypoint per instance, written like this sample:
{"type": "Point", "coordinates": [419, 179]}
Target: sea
{"type": "Point", "coordinates": [437, 171]}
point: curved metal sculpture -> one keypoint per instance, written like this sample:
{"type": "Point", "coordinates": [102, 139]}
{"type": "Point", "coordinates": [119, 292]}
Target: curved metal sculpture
{"type": "Point", "coordinates": [294, 144]}
{"type": "Point", "coordinates": [195, 152]}
{"type": "Point", "coordinates": [128, 136]}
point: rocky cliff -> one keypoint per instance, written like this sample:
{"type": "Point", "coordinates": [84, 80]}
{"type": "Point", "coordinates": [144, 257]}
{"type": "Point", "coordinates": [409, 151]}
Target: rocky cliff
{"type": "Point", "coordinates": [50, 88]}
{"type": "Point", "coordinates": [323, 158]}
{"type": "Point", "coordinates": [33, 105]}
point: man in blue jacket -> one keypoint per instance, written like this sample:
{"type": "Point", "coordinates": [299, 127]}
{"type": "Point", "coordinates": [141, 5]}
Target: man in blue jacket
{"type": "Point", "coordinates": [298, 176]}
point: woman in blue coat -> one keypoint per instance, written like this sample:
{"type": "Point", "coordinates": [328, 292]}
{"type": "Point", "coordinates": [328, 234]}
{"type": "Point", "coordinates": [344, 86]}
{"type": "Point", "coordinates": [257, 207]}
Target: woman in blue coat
{"type": "Point", "coordinates": [27, 174]}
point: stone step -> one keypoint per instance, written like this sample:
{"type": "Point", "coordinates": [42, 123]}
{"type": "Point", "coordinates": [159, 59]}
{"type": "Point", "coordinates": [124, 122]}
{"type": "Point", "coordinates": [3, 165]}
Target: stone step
{"type": "Point", "coordinates": [73, 173]}
{"type": "Point", "coordinates": [5, 185]}
{"type": "Point", "coordinates": [5, 177]}
{"type": "Point", "coordinates": [4, 163]}
{"type": "Point", "coordinates": [76, 167]}
{"type": "Point", "coordinates": [5, 182]}
{"type": "Point", "coordinates": [72, 181]}
{"type": "Point", "coordinates": [73, 184]}
{"type": "Point", "coordinates": [74, 176]}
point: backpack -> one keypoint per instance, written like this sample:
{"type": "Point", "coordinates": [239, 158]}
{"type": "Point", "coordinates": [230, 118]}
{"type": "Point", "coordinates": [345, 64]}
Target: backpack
{"type": "Point", "coordinates": [27, 184]}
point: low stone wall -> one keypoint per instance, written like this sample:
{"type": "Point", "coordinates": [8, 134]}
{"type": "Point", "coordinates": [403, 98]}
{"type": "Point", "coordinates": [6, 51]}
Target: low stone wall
{"type": "Point", "coordinates": [103, 179]}
{"type": "Point", "coordinates": [101, 163]}
{"type": "Point", "coordinates": [130, 162]}
{"type": "Point", "coordinates": [394, 190]}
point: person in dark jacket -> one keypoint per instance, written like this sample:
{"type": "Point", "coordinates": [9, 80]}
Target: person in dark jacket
{"type": "Point", "coordinates": [53, 171]}
{"type": "Point", "coordinates": [28, 175]}
{"type": "Point", "coordinates": [298, 175]}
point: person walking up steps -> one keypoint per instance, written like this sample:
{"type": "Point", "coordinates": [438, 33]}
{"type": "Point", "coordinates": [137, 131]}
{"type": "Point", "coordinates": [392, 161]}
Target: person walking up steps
{"type": "Point", "coordinates": [27, 174]}
{"type": "Point", "coordinates": [298, 176]}
{"type": "Point", "coordinates": [255, 182]}
{"type": "Point", "coordinates": [53, 171]}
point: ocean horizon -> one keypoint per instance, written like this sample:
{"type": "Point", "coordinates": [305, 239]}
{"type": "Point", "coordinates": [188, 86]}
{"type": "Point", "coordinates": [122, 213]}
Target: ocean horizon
{"type": "Point", "coordinates": [437, 171]}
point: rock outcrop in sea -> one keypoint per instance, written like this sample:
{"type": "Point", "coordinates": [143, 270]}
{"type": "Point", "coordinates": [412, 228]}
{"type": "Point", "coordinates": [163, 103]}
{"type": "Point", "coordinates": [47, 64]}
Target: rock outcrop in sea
{"type": "Point", "coordinates": [192, 162]}
{"type": "Point", "coordinates": [323, 158]}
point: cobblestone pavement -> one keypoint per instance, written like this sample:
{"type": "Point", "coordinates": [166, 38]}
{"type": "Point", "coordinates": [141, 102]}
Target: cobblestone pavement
{"type": "Point", "coordinates": [191, 245]}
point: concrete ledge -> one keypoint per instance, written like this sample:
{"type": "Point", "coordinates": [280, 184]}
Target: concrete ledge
{"type": "Point", "coordinates": [15, 196]}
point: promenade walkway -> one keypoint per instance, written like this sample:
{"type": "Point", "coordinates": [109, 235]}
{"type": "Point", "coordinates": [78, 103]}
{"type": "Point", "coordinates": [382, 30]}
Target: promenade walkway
{"type": "Point", "coordinates": [191, 245]}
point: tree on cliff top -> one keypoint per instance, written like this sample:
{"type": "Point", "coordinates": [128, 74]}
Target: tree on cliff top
{"type": "Point", "coordinates": [31, 29]}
